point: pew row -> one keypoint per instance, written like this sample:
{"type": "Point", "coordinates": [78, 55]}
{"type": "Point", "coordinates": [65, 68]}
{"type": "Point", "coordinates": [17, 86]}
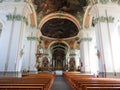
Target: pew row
{"type": "Point", "coordinates": [41, 81]}
{"type": "Point", "coordinates": [71, 75]}
{"type": "Point", "coordinates": [81, 82]}
{"type": "Point", "coordinates": [22, 87]}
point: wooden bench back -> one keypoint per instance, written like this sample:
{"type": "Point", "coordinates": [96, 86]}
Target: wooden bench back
{"type": "Point", "coordinates": [30, 82]}
{"type": "Point", "coordinates": [89, 82]}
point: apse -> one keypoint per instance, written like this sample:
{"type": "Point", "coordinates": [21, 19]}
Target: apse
{"type": "Point", "coordinates": [59, 51]}
{"type": "Point", "coordinates": [59, 28]}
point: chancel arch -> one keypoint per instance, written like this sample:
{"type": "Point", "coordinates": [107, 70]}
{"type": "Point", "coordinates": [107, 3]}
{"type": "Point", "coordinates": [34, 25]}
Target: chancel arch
{"type": "Point", "coordinates": [59, 52]}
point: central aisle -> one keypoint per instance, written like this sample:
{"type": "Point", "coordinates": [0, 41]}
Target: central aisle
{"type": "Point", "coordinates": [60, 84]}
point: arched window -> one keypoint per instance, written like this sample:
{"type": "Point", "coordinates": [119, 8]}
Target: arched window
{"type": "Point", "coordinates": [1, 26]}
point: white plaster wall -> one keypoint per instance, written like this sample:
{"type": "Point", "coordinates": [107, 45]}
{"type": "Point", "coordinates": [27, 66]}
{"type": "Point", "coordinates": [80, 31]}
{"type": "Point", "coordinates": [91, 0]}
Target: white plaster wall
{"type": "Point", "coordinates": [33, 53]}
{"type": "Point", "coordinates": [106, 39]}
{"type": "Point", "coordinates": [9, 41]}
{"type": "Point", "coordinates": [116, 47]}
{"type": "Point", "coordinates": [29, 60]}
{"type": "Point", "coordinates": [4, 41]}
{"type": "Point", "coordinates": [13, 40]}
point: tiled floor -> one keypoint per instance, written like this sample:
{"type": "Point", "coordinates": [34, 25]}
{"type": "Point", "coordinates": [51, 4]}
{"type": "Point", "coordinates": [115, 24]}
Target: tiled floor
{"type": "Point", "coordinates": [60, 84]}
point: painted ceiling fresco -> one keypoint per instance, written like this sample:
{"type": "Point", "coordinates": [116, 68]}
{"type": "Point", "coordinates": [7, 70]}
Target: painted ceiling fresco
{"type": "Point", "coordinates": [70, 6]}
{"type": "Point", "coordinates": [60, 28]}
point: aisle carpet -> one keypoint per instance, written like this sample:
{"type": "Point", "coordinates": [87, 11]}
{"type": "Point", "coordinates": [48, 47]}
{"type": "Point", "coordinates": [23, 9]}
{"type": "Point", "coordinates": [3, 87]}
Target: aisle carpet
{"type": "Point", "coordinates": [60, 84]}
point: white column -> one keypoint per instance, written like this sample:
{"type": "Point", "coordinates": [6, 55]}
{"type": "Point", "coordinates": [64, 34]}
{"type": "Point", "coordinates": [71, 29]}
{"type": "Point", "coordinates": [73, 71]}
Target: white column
{"type": "Point", "coordinates": [84, 48]}
{"type": "Point", "coordinates": [106, 39]}
{"type": "Point", "coordinates": [93, 52]}
{"type": "Point", "coordinates": [29, 59]}
{"type": "Point", "coordinates": [88, 51]}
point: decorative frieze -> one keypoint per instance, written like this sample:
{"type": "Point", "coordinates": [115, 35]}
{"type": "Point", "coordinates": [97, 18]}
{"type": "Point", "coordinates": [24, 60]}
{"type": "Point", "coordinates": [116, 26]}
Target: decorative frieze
{"type": "Point", "coordinates": [17, 0]}
{"type": "Point", "coordinates": [104, 1]}
{"type": "Point", "coordinates": [109, 19]}
{"type": "Point", "coordinates": [13, 1]}
{"type": "Point", "coordinates": [18, 17]}
{"type": "Point", "coordinates": [85, 39]}
{"type": "Point", "coordinates": [32, 38]}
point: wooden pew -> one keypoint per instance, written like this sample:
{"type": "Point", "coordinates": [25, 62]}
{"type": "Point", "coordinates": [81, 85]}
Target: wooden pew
{"type": "Point", "coordinates": [83, 83]}
{"type": "Point", "coordinates": [86, 82]}
{"type": "Point", "coordinates": [22, 87]}
{"type": "Point", "coordinates": [25, 82]}
{"type": "Point", "coordinates": [71, 75]}
{"type": "Point", "coordinates": [103, 88]}
{"type": "Point", "coordinates": [100, 87]}
{"type": "Point", "coordinates": [43, 75]}
{"type": "Point", "coordinates": [29, 82]}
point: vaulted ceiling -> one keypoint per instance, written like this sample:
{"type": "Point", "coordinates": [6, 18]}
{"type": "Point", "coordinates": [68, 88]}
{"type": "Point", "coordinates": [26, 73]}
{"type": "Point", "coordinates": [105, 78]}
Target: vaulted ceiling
{"type": "Point", "coordinates": [60, 28]}
{"type": "Point", "coordinates": [70, 6]}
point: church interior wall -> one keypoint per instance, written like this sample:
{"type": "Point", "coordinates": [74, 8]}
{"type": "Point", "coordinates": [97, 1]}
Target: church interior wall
{"type": "Point", "coordinates": [14, 37]}
{"type": "Point", "coordinates": [100, 55]}
{"type": "Point", "coordinates": [104, 34]}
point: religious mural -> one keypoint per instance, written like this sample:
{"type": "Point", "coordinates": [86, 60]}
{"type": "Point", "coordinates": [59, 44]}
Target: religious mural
{"type": "Point", "coordinates": [45, 64]}
{"type": "Point", "coordinates": [72, 64]}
